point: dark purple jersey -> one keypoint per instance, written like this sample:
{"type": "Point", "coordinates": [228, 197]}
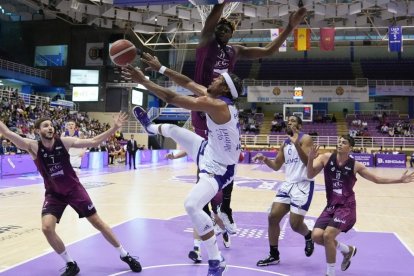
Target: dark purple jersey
{"type": "Point", "coordinates": [56, 170]}
{"type": "Point", "coordinates": [339, 181]}
{"type": "Point", "coordinates": [211, 61]}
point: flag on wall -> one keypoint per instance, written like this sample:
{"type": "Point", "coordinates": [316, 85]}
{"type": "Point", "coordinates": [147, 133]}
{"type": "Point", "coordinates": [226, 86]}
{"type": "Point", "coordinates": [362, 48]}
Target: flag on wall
{"type": "Point", "coordinates": [395, 41]}
{"type": "Point", "coordinates": [302, 39]}
{"type": "Point", "coordinates": [274, 33]}
{"type": "Point", "coordinates": [327, 39]}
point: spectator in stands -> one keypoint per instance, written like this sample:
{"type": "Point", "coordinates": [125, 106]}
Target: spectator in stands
{"type": "Point", "coordinates": [275, 125]}
{"type": "Point", "coordinates": [111, 153]}
{"type": "Point", "coordinates": [11, 148]}
{"type": "Point", "coordinates": [3, 148]}
{"type": "Point", "coordinates": [333, 119]}
{"type": "Point", "coordinates": [412, 159]}
{"type": "Point", "coordinates": [119, 136]}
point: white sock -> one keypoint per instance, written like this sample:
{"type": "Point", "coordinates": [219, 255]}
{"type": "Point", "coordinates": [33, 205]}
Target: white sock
{"type": "Point", "coordinates": [153, 128]}
{"type": "Point", "coordinates": [122, 251]}
{"type": "Point", "coordinates": [66, 257]}
{"type": "Point", "coordinates": [212, 248]}
{"type": "Point", "coordinates": [342, 247]}
{"type": "Point", "coordinates": [330, 269]}
{"type": "Point", "coordinates": [197, 243]}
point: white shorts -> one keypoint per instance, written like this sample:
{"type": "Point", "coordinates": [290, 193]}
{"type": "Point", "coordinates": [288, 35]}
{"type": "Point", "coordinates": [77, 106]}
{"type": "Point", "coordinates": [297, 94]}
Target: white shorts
{"type": "Point", "coordinates": [298, 195]}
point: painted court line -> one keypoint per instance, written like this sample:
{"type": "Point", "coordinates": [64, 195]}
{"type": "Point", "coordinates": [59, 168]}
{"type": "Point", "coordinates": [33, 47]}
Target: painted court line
{"type": "Point", "coordinates": [192, 265]}
{"type": "Point", "coordinates": [68, 244]}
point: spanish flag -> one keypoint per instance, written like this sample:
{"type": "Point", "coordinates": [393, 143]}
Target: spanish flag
{"type": "Point", "coordinates": [302, 39]}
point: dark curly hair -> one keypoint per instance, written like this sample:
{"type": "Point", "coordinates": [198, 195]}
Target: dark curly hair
{"type": "Point", "coordinates": [224, 21]}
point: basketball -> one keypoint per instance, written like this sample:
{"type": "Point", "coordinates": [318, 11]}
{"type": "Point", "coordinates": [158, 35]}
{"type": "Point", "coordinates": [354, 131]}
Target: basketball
{"type": "Point", "coordinates": [122, 52]}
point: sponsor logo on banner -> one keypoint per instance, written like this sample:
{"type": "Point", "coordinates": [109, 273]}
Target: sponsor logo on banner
{"type": "Point", "coordinates": [276, 91]}
{"type": "Point", "coordinates": [94, 54]}
{"type": "Point", "coordinates": [339, 91]}
{"type": "Point", "coordinates": [274, 33]}
{"type": "Point", "coordinates": [311, 94]}
{"type": "Point", "coordinates": [395, 42]}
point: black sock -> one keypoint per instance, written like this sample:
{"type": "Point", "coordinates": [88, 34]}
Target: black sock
{"type": "Point", "coordinates": [308, 236]}
{"type": "Point", "coordinates": [274, 251]}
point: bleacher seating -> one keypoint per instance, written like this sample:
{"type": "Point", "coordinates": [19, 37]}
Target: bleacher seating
{"type": "Point", "coordinates": [388, 69]}
{"type": "Point", "coordinates": [305, 70]}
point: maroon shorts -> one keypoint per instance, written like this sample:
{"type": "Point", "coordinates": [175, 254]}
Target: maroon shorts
{"type": "Point", "coordinates": [342, 217]}
{"type": "Point", "coordinates": [78, 199]}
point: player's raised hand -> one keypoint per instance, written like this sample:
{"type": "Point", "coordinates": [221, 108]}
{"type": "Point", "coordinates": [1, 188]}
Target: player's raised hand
{"type": "Point", "coordinates": [313, 153]}
{"type": "Point", "coordinates": [133, 73]}
{"type": "Point", "coordinates": [297, 17]}
{"type": "Point", "coordinates": [259, 158]}
{"type": "Point", "coordinates": [407, 178]}
{"type": "Point", "coordinates": [169, 156]}
{"type": "Point", "coordinates": [120, 118]}
{"type": "Point", "coordinates": [152, 61]}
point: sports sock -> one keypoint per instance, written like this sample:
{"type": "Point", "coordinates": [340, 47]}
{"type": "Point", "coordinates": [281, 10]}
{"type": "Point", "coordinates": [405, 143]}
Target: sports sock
{"type": "Point", "coordinates": [66, 257]}
{"type": "Point", "coordinates": [330, 269]}
{"type": "Point", "coordinates": [274, 251]}
{"type": "Point", "coordinates": [122, 251]}
{"type": "Point", "coordinates": [342, 247]}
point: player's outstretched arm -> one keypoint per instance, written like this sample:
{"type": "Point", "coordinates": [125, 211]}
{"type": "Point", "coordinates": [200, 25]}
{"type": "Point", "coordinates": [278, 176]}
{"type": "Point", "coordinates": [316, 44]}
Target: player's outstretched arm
{"type": "Point", "coordinates": [20, 142]}
{"type": "Point", "coordinates": [367, 174]}
{"type": "Point", "coordinates": [207, 33]}
{"type": "Point", "coordinates": [273, 164]}
{"type": "Point", "coordinates": [180, 79]}
{"type": "Point", "coordinates": [260, 52]}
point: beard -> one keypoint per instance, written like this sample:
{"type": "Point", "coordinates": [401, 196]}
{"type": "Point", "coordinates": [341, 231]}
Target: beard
{"type": "Point", "coordinates": [44, 136]}
{"type": "Point", "coordinates": [289, 131]}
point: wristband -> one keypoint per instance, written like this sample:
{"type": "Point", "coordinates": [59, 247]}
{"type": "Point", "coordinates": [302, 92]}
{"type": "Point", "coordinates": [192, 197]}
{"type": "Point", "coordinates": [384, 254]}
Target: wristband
{"type": "Point", "coordinates": [162, 69]}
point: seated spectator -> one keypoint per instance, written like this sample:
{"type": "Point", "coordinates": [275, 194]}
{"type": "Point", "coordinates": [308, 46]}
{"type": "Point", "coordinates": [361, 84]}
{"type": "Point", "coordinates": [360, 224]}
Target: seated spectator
{"type": "Point", "coordinates": [275, 126]}
{"type": "Point", "coordinates": [3, 148]}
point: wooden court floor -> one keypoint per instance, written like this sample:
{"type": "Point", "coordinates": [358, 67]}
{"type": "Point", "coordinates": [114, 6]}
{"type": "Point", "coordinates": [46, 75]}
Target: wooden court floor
{"type": "Point", "coordinates": [158, 191]}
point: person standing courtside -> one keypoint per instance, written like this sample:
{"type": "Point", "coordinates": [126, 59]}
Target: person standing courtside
{"type": "Point", "coordinates": [132, 148]}
{"type": "Point", "coordinates": [295, 194]}
{"type": "Point", "coordinates": [62, 185]}
{"type": "Point", "coordinates": [339, 215]}
{"type": "Point", "coordinates": [215, 56]}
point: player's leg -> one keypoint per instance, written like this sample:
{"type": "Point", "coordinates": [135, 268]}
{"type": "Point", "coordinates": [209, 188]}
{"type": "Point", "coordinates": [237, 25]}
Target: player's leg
{"type": "Point", "coordinates": [51, 213]}
{"type": "Point", "coordinates": [277, 212]}
{"type": "Point", "coordinates": [199, 196]}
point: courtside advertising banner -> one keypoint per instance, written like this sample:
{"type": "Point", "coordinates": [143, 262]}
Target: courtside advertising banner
{"type": "Point", "coordinates": [311, 94]}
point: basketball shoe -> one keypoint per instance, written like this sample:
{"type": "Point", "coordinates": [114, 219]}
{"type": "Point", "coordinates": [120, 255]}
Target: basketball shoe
{"type": "Point", "coordinates": [195, 255]}
{"type": "Point", "coordinates": [142, 116]}
{"type": "Point", "coordinates": [346, 262]}
{"type": "Point", "coordinates": [134, 265]}
{"type": "Point", "coordinates": [72, 269]}
{"type": "Point", "coordinates": [216, 267]}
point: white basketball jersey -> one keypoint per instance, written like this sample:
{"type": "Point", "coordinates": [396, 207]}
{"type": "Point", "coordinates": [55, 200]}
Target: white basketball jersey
{"type": "Point", "coordinates": [295, 170]}
{"type": "Point", "coordinates": [223, 147]}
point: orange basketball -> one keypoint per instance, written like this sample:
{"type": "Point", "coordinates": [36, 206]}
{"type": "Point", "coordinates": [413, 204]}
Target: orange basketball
{"type": "Point", "coordinates": [122, 52]}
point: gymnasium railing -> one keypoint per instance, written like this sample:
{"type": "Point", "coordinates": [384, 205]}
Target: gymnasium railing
{"type": "Point", "coordinates": [330, 141]}
{"type": "Point", "coordinates": [27, 70]}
